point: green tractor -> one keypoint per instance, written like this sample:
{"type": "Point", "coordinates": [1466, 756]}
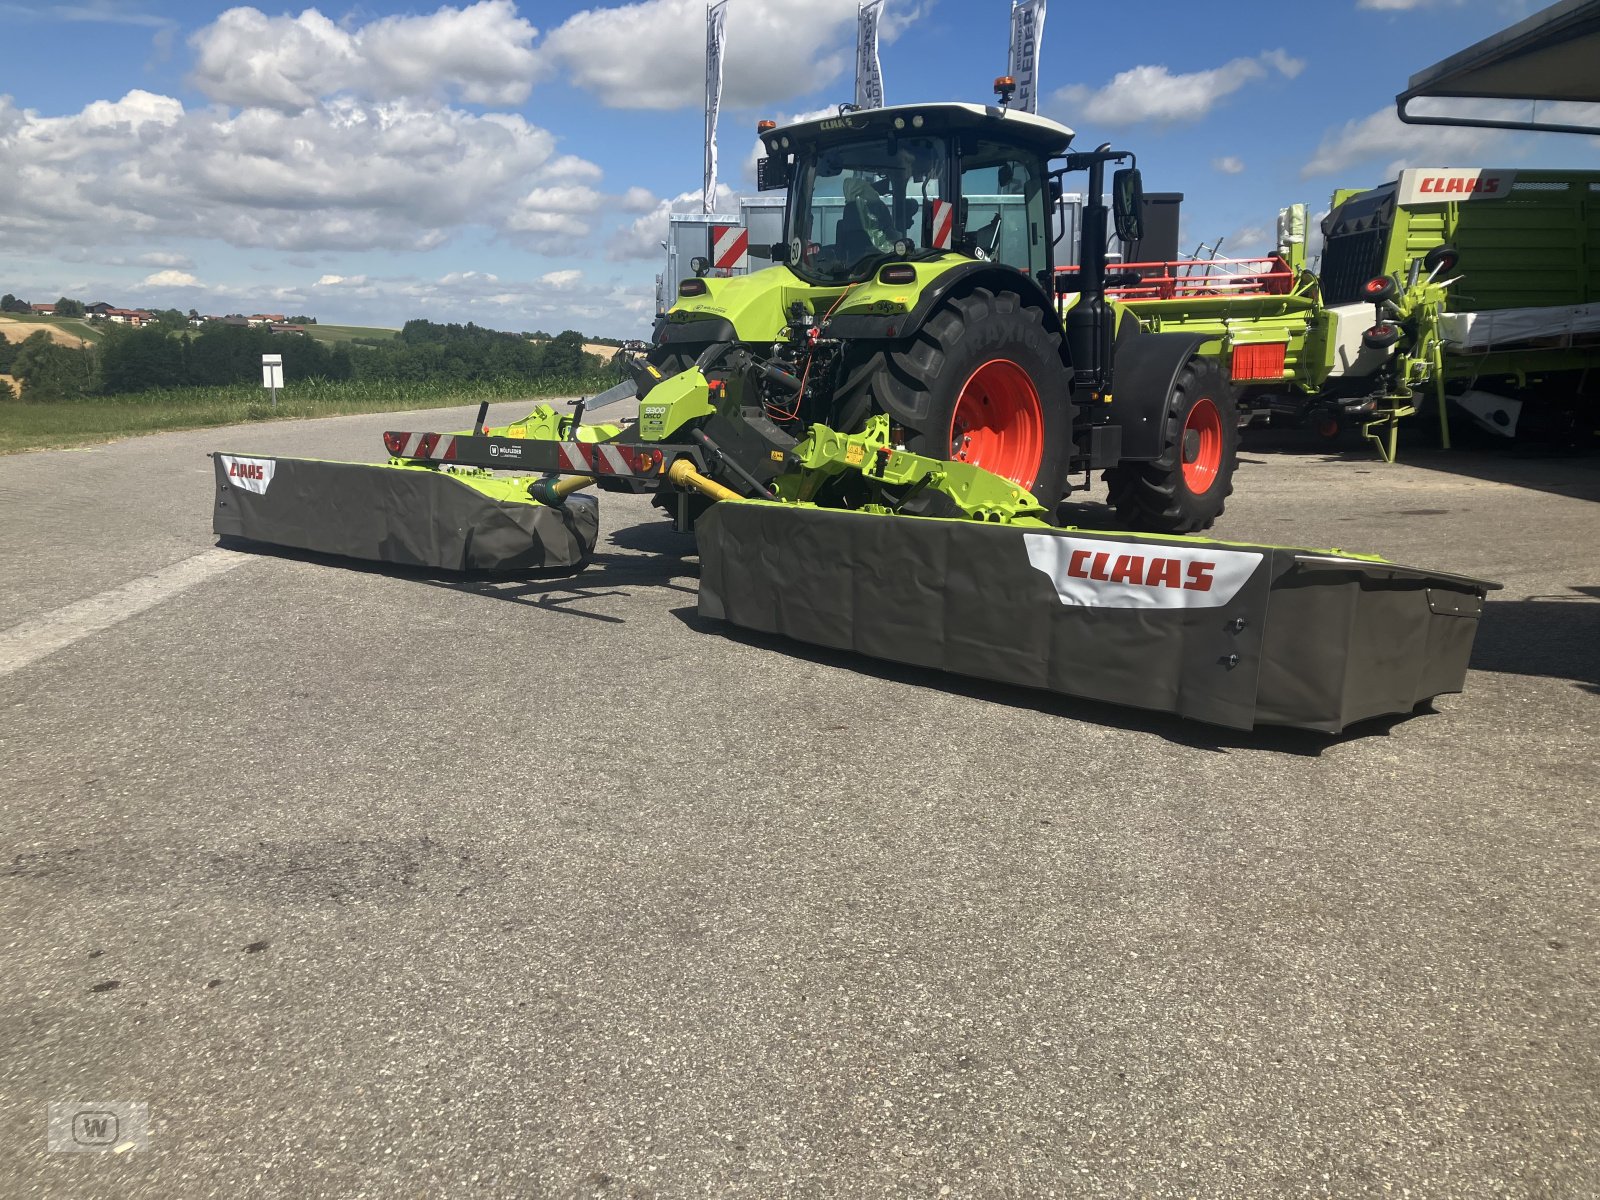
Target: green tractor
{"type": "Point", "coordinates": [916, 296]}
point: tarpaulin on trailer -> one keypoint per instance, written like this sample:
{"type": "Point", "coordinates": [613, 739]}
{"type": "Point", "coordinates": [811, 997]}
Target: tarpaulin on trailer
{"type": "Point", "coordinates": [401, 515]}
{"type": "Point", "coordinates": [1235, 635]}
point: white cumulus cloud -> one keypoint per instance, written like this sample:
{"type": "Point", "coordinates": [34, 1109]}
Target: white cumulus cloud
{"type": "Point", "coordinates": [651, 54]}
{"type": "Point", "coordinates": [1154, 93]}
{"type": "Point", "coordinates": [482, 53]}
{"type": "Point", "coordinates": [170, 279]}
{"type": "Point", "coordinates": [1228, 164]}
{"type": "Point", "coordinates": [642, 238]}
{"type": "Point", "coordinates": [1382, 138]}
{"type": "Point", "coordinates": [342, 174]}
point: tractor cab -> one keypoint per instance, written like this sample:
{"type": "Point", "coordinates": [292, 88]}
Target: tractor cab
{"type": "Point", "coordinates": [914, 183]}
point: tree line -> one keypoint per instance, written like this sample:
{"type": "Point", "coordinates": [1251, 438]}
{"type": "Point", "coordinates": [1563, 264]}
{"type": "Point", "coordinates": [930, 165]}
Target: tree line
{"type": "Point", "coordinates": [129, 360]}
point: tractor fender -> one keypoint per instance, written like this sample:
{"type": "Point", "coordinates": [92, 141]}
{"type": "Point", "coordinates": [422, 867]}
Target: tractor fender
{"type": "Point", "coordinates": [960, 279]}
{"type": "Point", "coordinates": [701, 332]}
{"type": "Point", "coordinates": [1144, 369]}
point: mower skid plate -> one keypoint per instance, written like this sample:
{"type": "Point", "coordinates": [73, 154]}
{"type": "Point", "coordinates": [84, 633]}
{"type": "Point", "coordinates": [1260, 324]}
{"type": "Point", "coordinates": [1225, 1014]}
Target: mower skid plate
{"type": "Point", "coordinates": [1232, 634]}
{"type": "Point", "coordinates": [404, 515]}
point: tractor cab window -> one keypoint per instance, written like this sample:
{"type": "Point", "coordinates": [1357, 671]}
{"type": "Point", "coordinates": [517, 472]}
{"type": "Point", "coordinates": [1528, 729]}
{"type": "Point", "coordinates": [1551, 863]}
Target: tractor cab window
{"type": "Point", "coordinates": [854, 201]}
{"type": "Point", "coordinates": [1002, 207]}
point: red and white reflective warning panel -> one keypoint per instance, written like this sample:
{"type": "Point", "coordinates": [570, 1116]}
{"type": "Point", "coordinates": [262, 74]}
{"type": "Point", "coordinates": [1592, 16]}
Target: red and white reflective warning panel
{"type": "Point", "coordinates": [436, 446]}
{"type": "Point", "coordinates": [942, 225]}
{"type": "Point", "coordinates": [1141, 575]}
{"type": "Point", "coordinates": [730, 247]}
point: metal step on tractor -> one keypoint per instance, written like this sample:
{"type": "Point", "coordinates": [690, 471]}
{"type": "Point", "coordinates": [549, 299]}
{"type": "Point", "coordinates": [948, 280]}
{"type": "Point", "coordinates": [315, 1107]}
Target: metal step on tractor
{"type": "Point", "coordinates": [871, 438]}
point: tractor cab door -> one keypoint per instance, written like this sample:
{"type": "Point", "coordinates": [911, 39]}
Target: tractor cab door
{"type": "Point", "coordinates": [1002, 213]}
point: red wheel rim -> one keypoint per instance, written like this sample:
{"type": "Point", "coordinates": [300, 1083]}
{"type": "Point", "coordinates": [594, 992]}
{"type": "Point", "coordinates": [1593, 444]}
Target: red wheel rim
{"type": "Point", "coordinates": [1202, 446]}
{"type": "Point", "coordinates": [998, 424]}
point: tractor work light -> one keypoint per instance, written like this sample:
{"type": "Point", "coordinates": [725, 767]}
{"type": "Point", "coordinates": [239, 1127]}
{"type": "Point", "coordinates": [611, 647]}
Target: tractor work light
{"type": "Point", "coordinates": [899, 122]}
{"type": "Point", "coordinates": [916, 121]}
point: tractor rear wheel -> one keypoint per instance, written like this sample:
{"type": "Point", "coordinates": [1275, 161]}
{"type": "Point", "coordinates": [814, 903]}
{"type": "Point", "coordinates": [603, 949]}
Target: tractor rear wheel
{"type": "Point", "coordinates": [1183, 490]}
{"type": "Point", "coordinates": [981, 382]}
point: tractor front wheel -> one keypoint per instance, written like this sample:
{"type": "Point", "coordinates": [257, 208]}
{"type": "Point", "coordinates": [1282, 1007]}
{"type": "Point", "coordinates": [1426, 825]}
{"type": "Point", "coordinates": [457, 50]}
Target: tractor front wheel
{"type": "Point", "coordinates": [982, 382]}
{"type": "Point", "coordinates": [1183, 490]}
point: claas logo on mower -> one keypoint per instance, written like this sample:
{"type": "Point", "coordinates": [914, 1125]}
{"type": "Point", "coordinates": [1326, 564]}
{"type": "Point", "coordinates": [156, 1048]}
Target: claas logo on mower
{"type": "Point", "coordinates": [1145, 572]}
{"type": "Point", "coordinates": [246, 470]}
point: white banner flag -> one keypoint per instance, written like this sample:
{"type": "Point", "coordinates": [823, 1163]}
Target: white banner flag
{"type": "Point", "coordinates": [1027, 32]}
{"type": "Point", "coordinates": [715, 18]}
{"type": "Point", "coordinates": [869, 72]}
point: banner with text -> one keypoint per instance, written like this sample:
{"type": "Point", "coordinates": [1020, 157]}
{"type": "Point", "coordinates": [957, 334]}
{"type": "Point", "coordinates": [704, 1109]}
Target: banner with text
{"type": "Point", "coordinates": [869, 71]}
{"type": "Point", "coordinates": [1027, 32]}
{"type": "Point", "coordinates": [716, 17]}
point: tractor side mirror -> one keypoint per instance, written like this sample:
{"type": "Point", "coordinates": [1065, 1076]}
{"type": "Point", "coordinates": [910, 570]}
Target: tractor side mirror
{"type": "Point", "coordinates": [779, 252]}
{"type": "Point", "coordinates": [1127, 205]}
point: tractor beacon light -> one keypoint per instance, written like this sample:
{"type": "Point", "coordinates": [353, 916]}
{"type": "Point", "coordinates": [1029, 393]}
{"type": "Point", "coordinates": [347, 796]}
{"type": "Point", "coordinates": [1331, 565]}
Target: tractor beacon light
{"type": "Point", "coordinates": [765, 126]}
{"type": "Point", "coordinates": [1004, 86]}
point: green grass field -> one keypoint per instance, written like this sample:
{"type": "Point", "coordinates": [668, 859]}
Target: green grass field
{"type": "Point", "coordinates": [347, 333]}
{"type": "Point", "coordinates": [73, 325]}
{"type": "Point", "coordinates": [70, 423]}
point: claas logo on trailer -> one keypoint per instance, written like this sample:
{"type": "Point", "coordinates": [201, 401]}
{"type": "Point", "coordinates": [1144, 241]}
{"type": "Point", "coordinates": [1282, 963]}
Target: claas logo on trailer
{"type": "Point", "coordinates": [1439, 185]}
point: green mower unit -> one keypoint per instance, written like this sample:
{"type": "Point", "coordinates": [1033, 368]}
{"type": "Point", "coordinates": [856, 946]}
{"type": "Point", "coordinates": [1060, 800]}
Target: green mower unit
{"type": "Point", "coordinates": [913, 360]}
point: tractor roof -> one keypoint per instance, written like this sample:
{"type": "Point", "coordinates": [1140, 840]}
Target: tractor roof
{"type": "Point", "coordinates": [1040, 133]}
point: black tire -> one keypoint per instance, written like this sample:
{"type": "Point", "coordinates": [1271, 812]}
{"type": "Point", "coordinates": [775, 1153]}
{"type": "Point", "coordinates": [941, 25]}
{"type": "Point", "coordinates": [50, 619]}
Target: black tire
{"type": "Point", "coordinates": [1157, 496]}
{"type": "Point", "coordinates": [1379, 289]}
{"type": "Point", "coordinates": [917, 382]}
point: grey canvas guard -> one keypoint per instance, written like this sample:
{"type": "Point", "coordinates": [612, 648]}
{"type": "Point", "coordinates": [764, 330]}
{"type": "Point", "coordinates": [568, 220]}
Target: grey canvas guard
{"type": "Point", "coordinates": [1235, 635]}
{"type": "Point", "coordinates": [406, 517]}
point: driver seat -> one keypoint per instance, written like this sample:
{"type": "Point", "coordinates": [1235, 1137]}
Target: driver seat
{"type": "Point", "coordinates": [854, 244]}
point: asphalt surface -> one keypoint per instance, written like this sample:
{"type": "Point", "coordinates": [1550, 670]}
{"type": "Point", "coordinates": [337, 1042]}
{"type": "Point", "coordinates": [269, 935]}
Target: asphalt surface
{"type": "Point", "coordinates": [374, 884]}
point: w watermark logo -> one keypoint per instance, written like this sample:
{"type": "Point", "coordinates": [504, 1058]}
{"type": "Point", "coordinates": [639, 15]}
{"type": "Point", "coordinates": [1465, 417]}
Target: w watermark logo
{"type": "Point", "coordinates": [119, 1125]}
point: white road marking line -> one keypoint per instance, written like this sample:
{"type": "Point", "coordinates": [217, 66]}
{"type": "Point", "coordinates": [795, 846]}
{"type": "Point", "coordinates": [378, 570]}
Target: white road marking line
{"type": "Point", "coordinates": [42, 635]}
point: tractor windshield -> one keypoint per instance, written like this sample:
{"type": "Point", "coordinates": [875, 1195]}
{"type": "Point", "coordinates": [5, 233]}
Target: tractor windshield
{"type": "Point", "coordinates": [854, 201]}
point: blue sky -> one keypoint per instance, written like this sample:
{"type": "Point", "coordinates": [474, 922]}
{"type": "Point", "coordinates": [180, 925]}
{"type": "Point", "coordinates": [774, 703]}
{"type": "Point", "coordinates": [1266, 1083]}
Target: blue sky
{"type": "Point", "coordinates": [512, 163]}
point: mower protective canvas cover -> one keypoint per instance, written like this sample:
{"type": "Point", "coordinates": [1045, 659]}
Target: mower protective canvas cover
{"type": "Point", "coordinates": [1232, 634]}
{"type": "Point", "coordinates": [403, 515]}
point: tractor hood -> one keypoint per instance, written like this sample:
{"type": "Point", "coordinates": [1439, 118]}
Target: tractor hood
{"type": "Point", "coordinates": [745, 308]}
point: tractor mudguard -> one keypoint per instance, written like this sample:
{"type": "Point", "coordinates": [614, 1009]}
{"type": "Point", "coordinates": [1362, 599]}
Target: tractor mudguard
{"type": "Point", "coordinates": [963, 277]}
{"type": "Point", "coordinates": [1144, 368]}
{"type": "Point", "coordinates": [701, 332]}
